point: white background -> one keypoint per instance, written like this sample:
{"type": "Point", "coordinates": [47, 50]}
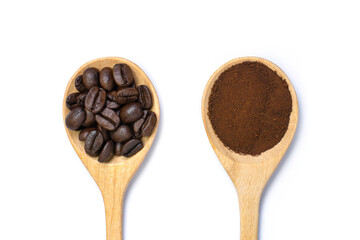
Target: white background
{"type": "Point", "coordinates": [181, 191]}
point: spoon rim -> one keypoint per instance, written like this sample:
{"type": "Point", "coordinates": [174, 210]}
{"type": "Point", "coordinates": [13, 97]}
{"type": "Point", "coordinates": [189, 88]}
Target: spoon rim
{"type": "Point", "coordinates": [73, 135]}
{"type": "Point", "coordinates": [277, 151]}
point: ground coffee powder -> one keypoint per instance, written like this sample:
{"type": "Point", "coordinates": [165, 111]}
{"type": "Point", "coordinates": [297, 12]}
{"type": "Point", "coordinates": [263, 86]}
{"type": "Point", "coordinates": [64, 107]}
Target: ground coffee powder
{"type": "Point", "coordinates": [249, 108]}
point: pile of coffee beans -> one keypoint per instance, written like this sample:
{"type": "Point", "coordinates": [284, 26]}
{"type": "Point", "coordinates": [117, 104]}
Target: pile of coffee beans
{"type": "Point", "coordinates": [111, 113]}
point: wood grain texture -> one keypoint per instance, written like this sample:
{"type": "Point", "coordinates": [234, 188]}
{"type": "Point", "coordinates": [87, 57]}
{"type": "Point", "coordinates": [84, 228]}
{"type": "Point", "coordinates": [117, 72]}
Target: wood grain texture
{"type": "Point", "coordinates": [113, 177]}
{"type": "Point", "coordinates": [249, 173]}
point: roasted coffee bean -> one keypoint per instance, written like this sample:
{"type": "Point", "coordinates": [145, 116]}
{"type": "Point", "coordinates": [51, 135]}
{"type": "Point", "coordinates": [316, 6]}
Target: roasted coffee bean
{"type": "Point", "coordinates": [111, 111]}
{"type": "Point", "coordinates": [121, 134]}
{"type": "Point", "coordinates": [133, 85]}
{"type": "Point", "coordinates": [118, 147]}
{"type": "Point", "coordinates": [126, 95]}
{"type": "Point", "coordinates": [107, 152]}
{"type": "Point", "coordinates": [108, 119]}
{"type": "Point", "coordinates": [93, 143]}
{"type": "Point", "coordinates": [72, 100]}
{"type": "Point", "coordinates": [81, 99]}
{"type": "Point", "coordinates": [123, 75]}
{"type": "Point", "coordinates": [84, 133]}
{"type": "Point", "coordinates": [79, 84]}
{"type": "Point", "coordinates": [131, 147]}
{"type": "Point", "coordinates": [131, 112]}
{"type": "Point", "coordinates": [75, 118]}
{"type": "Point", "coordinates": [95, 99]}
{"type": "Point", "coordinates": [111, 95]}
{"type": "Point", "coordinates": [149, 124]}
{"type": "Point", "coordinates": [112, 105]}
{"type": "Point", "coordinates": [89, 120]}
{"type": "Point", "coordinates": [137, 127]}
{"type": "Point", "coordinates": [106, 79]}
{"type": "Point", "coordinates": [91, 78]}
{"type": "Point", "coordinates": [105, 133]}
{"type": "Point", "coordinates": [138, 123]}
{"type": "Point", "coordinates": [145, 97]}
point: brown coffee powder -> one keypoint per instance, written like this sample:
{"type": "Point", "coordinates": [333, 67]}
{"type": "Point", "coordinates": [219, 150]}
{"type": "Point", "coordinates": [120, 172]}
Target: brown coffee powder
{"type": "Point", "coordinates": [249, 108]}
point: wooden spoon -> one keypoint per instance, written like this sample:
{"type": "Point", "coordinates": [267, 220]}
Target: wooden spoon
{"type": "Point", "coordinates": [249, 173]}
{"type": "Point", "coordinates": [113, 177]}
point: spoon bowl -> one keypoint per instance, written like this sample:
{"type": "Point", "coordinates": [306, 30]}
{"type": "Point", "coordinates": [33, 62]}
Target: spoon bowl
{"type": "Point", "coordinates": [249, 173]}
{"type": "Point", "coordinates": [112, 178]}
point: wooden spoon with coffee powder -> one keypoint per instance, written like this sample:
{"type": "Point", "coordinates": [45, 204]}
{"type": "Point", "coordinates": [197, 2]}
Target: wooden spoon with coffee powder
{"type": "Point", "coordinates": [250, 113]}
{"type": "Point", "coordinates": [113, 177]}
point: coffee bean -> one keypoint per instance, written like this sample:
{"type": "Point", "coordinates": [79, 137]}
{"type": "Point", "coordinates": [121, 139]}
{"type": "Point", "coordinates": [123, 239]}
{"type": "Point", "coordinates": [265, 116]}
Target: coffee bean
{"type": "Point", "coordinates": [126, 95]}
{"type": "Point", "coordinates": [93, 143]}
{"type": "Point", "coordinates": [75, 118]}
{"type": "Point", "coordinates": [108, 119]}
{"type": "Point", "coordinates": [81, 99]}
{"type": "Point", "coordinates": [79, 84]}
{"type": "Point", "coordinates": [133, 85]}
{"type": "Point", "coordinates": [91, 78]}
{"type": "Point", "coordinates": [107, 152]}
{"type": "Point", "coordinates": [149, 124]}
{"type": "Point", "coordinates": [131, 147]}
{"type": "Point", "coordinates": [145, 97]}
{"type": "Point", "coordinates": [131, 112]}
{"type": "Point", "coordinates": [71, 101]}
{"type": "Point", "coordinates": [95, 99]}
{"type": "Point", "coordinates": [138, 123]}
{"type": "Point", "coordinates": [112, 105]}
{"type": "Point", "coordinates": [75, 100]}
{"type": "Point", "coordinates": [121, 134]}
{"type": "Point", "coordinates": [118, 147]}
{"type": "Point", "coordinates": [111, 95]}
{"type": "Point", "coordinates": [137, 127]}
{"type": "Point", "coordinates": [84, 133]}
{"type": "Point", "coordinates": [104, 101]}
{"type": "Point", "coordinates": [106, 79]}
{"type": "Point", "coordinates": [123, 75]}
{"type": "Point", "coordinates": [89, 120]}
{"type": "Point", "coordinates": [105, 133]}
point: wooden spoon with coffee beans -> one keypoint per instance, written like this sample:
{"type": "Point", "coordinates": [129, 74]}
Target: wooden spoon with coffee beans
{"type": "Point", "coordinates": [249, 173]}
{"type": "Point", "coordinates": [113, 177]}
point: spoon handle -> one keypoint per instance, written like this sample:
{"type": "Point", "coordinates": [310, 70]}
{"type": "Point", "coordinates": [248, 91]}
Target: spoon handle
{"type": "Point", "coordinates": [113, 211]}
{"type": "Point", "coordinates": [113, 187]}
{"type": "Point", "coordinates": [249, 216]}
